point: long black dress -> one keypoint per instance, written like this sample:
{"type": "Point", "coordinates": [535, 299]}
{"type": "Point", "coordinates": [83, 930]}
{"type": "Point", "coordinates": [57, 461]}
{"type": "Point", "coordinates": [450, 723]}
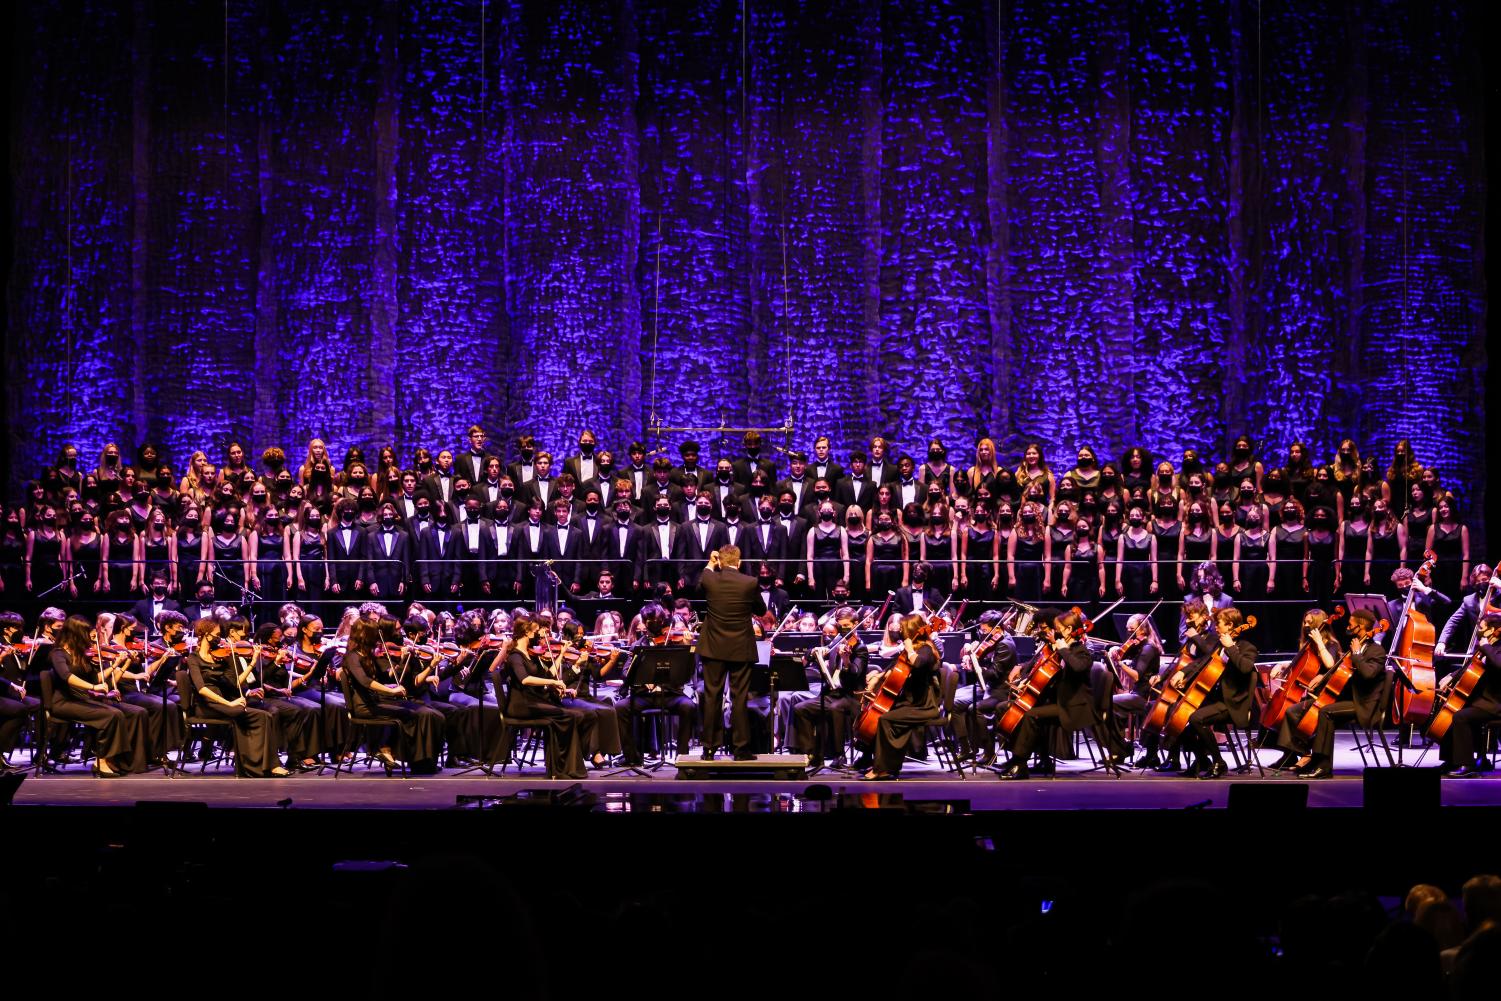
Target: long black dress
{"type": "Point", "coordinates": [298, 718]}
{"type": "Point", "coordinates": [255, 729]}
{"type": "Point", "coordinates": [12, 568]}
{"type": "Point", "coordinates": [46, 565]}
{"type": "Point", "coordinates": [122, 567]}
{"type": "Point", "coordinates": [1225, 555]}
{"type": "Point", "coordinates": [229, 562]}
{"type": "Point", "coordinates": [885, 565]}
{"type": "Point", "coordinates": [419, 727]}
{"type": "Point", "coordinates": [1448, 545]}
{"type": "Point", "coordinates": [121, 738]}
{"type": "Point", "coordinates": [1028, 569]}
{"type": "Point", "coordinates": [1418, 523]}
{"type": "Point", "coordinates": [1322, 549]}
{"type": "Point", "coordinates": [827, 565]}
{"type": "Point", "coordinates": [164, 729]}
{"type": "Point", "coordinates": [1254, 571]}
{"type": "Point", "coordinates": [1287, 575]}
{"type": "Point", "coordinates": [979, 562]}
{"type": "Point", "coordinates": [156, 555]}
{"type": "Point", "coordinates": [86, 564]}
{"type": "Point", "coordinates": [1167, 558]}
{"type": "Point", "coordinates": [270, 568]}
{"type": "Point", "coordinates": [1386, 556]}
{"type": "Point", "coordinates": [1352, 567]}
{"type": "Point", "coordinates": [939, 554]}
{"type": "Point", "coordinates": [1061, 539]}
{"type": "Point", "coordinates": [915, 708]}
{"type": "Point", "coordinates": [566, 750]}
{"type": "Point", "coordinates": [189, 560]}
{"type": "Point", "coordinates": [310, 567]}
{"type": "Point", "coordinates": [1136, 568]}
{"type": "Point", "coordinates": [1084, 574]}
{"type": "Point", "coordinates": [856, 540]}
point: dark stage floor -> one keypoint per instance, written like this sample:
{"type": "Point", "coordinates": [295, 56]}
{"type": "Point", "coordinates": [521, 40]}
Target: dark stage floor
{"type": "Point", "coordinates": [372, 789]}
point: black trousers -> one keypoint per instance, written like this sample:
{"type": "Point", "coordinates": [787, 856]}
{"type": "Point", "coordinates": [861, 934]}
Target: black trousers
{"type": "Point", "coordinates": [1125, 703]}
{"type": "Point", "coordinates": [121, 740]}
{"type": "Point", "coordinates": [975, 733]}
{"type": "Point", "coordinates": [897, 731]}
{"type": "Point", "coordinates": [1030, 731]}
{"type": "Point", "coordinates": [1322, 744]}
{"type": "Point", "coordinates": [1202, 724]}
{"type": "Point", "coordinates": [1465, 732]}
{"type": "Point", "coordinates": [673, 703]}
{"type": "Point", "coordinates": [830, 713]}
{"type": "Point", "coordinates": [14, 714]}
{"type": "Point", "coordinates": [739, 674]}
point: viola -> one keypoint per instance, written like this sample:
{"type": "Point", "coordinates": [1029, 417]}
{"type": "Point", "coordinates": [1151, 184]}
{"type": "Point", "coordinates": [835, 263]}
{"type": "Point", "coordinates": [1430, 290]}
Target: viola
{"type": "Point", "coordinates": [1204, 683]}
{"type": "Point", "coordinates": [1413, 652]}
{"type": "Point", "coordinates": [1330, 690]}
{"type": "Point", "coordinates": [888, 690]}
{"type": "Point", "coordinates": [1300, 677]}
{"type": "Point", "coordinates": [1457, 696]}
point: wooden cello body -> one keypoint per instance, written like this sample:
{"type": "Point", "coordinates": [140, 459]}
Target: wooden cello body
{"type": "Point", "coordinates": [888, 690]}
{"type": "Point", "coordinates": [1455, 698]}
{"type": "Point", "coordinates": [1413, 651]}
{"type": "Point", "coordinates": [1030, 693]}
{"type": "Point", "coordinates": [1300, 677]}
{"type": "Point", "coordinates": [1197, 692]}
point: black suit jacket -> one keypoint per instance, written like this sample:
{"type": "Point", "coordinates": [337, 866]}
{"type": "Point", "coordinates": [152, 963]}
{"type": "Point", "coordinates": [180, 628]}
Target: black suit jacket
{"type": "Point", "coordinates": [648, 500]}
{"type": "Point", "coordinates": [773, 551]}
{"type": "Point", "coordinates": [733, 598]}
{"type": "Point", "coordinates": [844, 493]}
{"type": "Point", "coordinates": [435, 569]}
{"type": "Point", "coordinates": [1367, 683]}
{"type": "Point", "coordinates": [699, 475]}
{"type": "Point", "coordinates": [464, 464]}
{"type": "Point", "coordinates": [434, 484]}
{"type": "Point", "coordinates": [626, 567]}
{"type": "Point", "coordinates": [888, 472]}
{"type": "Point", "coordinates": [563, 546]}
{"type": "Point", "coordinates": [801, 489]}
{"type": "Point", "coordinates": [796, 561]}
{"type": "Point", "coordinates": [744, 469]}
{"type": "Point", "coordinates": [906, 599]}
{"type": "Point", "coordinates": [141, 612]}
{"type": "Point", "coordinates": [514, 471]}
{"type": "Point", "coordinates": [573, 465]}
{"type": "Point", "coordinates": [1073, 687]}
{"type": "Point", "coordinates": [656, 565]}
{"type": "Point", "coordinates": [833, 472]}
{"type": "Point", "coordinates": [776, 601]}
{"type": "Point", "coordinates": [346, 565]}
{"type": "Point", "coordinates": [387, 571]}
{"type": "Point", "coordinates": [690, 555]}
{"type": "Point", "coordinates": [1237, 686]}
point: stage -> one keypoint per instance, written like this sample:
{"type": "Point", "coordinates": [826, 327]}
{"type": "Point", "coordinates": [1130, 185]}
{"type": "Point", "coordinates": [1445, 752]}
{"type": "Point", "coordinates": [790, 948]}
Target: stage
{"type": "Point", "coordinates": [923, 787]}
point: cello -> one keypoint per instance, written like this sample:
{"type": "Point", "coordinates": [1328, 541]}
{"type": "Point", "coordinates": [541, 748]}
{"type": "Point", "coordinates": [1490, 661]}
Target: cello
{"type": "Point", "coordinates": [1456, 696]}
{"type": "Point", "coordinates": [1197, 692]}
{"type": "Point", "coordinates": [1329, 692]}
{"type": "Point", "coordinates": [1301, 676]}
{"type": "Point", "coordinates": [1029, 692]}
{"type": "Point", "coordinates": [1412, 649]}
{"type": "Point", "coordinates": [888, 690]}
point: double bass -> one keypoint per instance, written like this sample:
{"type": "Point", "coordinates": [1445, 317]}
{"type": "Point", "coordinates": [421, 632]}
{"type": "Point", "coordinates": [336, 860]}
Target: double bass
{"type": "Point", "coordinates": [1330, 690]}
{"type": "Point", "coordinates": [1412, 649]}
{"type": "Point", "coordinates": [1301, 676]}
{"type": "Point", "coordinates": [1198, 690]}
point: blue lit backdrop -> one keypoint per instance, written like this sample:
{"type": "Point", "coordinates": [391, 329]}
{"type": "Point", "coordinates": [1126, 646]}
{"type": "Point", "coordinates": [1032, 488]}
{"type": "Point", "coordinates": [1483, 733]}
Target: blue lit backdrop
{"type": "Point", "coordinates": [1156, 223]}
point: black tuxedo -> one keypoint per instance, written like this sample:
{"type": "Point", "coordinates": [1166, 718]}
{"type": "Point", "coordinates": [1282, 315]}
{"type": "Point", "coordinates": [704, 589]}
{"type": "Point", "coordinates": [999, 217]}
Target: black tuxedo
{"type": "Point", "coordinates": [796, 561]}
{"type": "Point", "coordinates": [564, 546]}
{"type": "Point", "coordinates": [406, 509]}
{"type": "Point", "coordinates": [776, 600]}
{"type": "Point", "coordinates": [1071, 704]}
{"type": "Point", "coordinates": [691, 554]}
{"type": "Point", "coordinates": [656, 564]}
{"type": "Point", "coordinates": [521, 472]}
{"type": "Point", "coordinates": [802, 489]}
{"type": "Point", "coordinates": [632, 474]}
{"type": "Point", "coordinates": [440, 487]}
{"type": "Point", "coordinates": [471, 464]}
{"type": "Point", "coordinates": [919, 492]}
{"type": "Point", "coordinates": [438, 560]}
{"type": "Point", "coordinates": [475, 560]}
{"type": "Point", "coordinates": [833, 472]}
{"type": "Point", "coordinates": [735, 494]}
{"type": "Point", "coordinates": [346, 563]}
{"type": "Point", "coordinates": [906, 600]}
{"type": "Point", "coordinates": [606, 488]}
{"type": "Point", "coordinates": [386, 569]}
{"type": "Point", "coordinates": [648, 499]}
{"type": "Point", "coordinates": [624, 563]}
{"type": "Point", "coordinates": [770, 551]}
{"type": "Point", "coordinates": [698, 475]}
{"type": "Point", "coordinates": [727, 647]}
{"type": "Point", "coordinates": [737, 535]}
{"type": "Point", "coordinates": [845, 492]}
{"type": "Point", "coordinates": [573, 466]}
{"type": "Point", "coordinates": [744, 470]}
{"type": "Point", "coordinates": [887, 473]}
{"type": "Point", "coordinates": [141, 612]}
{"type": "Point", "coordinates": [534, 490]}
{"type": "Point", "coordinates": [592, 549]}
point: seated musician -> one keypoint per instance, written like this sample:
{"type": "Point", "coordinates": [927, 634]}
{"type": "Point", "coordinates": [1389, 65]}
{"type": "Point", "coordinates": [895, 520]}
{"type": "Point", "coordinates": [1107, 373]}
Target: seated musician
{"type": "Point", "coordinates": [1198, 648]}
{"type": "Point", "coordinates": [143, 682]}
{"type": "Point", "coordinates": [535, 691]}
{"type": "Point", "coordinates": [655, 621]}
{"type": "Point", "coordinates": [377, 693]}
{"type": "Point", "coordinates": [16, 705]}
{"type": "Point", "coordinates": [1465, 620]}
{"type": "Point", "coordinates": [1232, 699]}
{"type": "Point", "coordinates": [217, 685]}
{"type": "Point", "coordinates": [1312, 633]}
{"type": "Point", "coordinates": [1067, 701]}
{"type": "Point", "coordinates": [579, 668]}
{"type": "Point", "coordinates": [1141, 667]}
{"type": "Point", "coordinates": [424, 670]}
{"type": "Point", "coordinates": [825, 720]}
{"type": "Point", "coordinates": [1424, 598]}
{"type": "Point", "coordinates": [1483, 706]}
{"type": "Point", "coordinates": [916, 706]}
{"type": "Point", "coordinates": [82, 694]}
{"type": "Point", "coordinates": [990, 659]}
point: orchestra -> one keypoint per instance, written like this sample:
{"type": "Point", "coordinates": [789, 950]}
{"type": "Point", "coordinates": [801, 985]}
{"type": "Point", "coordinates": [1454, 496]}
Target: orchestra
{"type": "Point", "coordinates": [439, 575]}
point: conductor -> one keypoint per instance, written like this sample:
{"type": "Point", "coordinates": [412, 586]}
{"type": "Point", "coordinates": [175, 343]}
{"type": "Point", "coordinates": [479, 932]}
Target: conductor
{"type": "Point", "coordinates": [727, 645]}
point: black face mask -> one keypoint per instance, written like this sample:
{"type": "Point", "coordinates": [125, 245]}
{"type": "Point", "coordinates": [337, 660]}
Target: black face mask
{"type": "Point", "coordinates": [854, 522]}
{"type": "Point", "coordinates": [586, 447]}
{"type": "Point", "coordinates": [423, 512]}
{"type": "Point", "coordinates": [1242, 452]}
{"type": "Point", "coordinates": [387, 520]}
{"type": "Point", "coordinates": [624, 515]}
{"type": "Point", "coordinates": [158, 590]}
{"type": "Point", "coordinates": [110, 460]}
{"type": "Point", "coordinates": [936, 519]}
{"type": "Point", "coordinates": [50, 520]}
{"type": "Point", "coordinates": [508, 492]}
{"type": "Point", "coordinates": [367, 503]}
{"type": "Point", "coordinates": [347, 518]}
{"type": "Point", "coordinates": [1029, 519]}
{"type": "Point", "coordinates": [282, 486]}
{"type": "Point", "coordinates": [591, 508]}
{"type": "Point", "coordinates": [786, 509]}
{"type": "Point", "coordinates": [314, 521]}
{"type": "Point", "coordinates": [663, 514]}
{"type": "Point", "coordinates": [883, 526]}
{"type": "Point", "coordinates": [703, 514]}
{"type": "Point", "coordinates": [1085, 462]}
{"type": "Point", "coordinates": [1003, 519]}
{"type": "Point", "coordinates": [935, 457]}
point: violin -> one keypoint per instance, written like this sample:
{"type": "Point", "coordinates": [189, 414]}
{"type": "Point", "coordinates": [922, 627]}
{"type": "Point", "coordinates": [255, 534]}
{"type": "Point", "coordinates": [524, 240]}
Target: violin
{"type": "Point", "coordinates": [1300, 677]}
{"type": "Point", "coordinates": [1203, 684]}
{"type": "Point", "coordinates": [941, 623]}
{"type": "Point", "coordinates": [156, 648]}
{"type": "Point", "coordinates": [239, 648]}
{"type": "Point", "coordinates": [1330, 690]}
{"type": "Point", "coordinates": [20, 648]}
{"type": "Point", "coordinates": [888, 689]}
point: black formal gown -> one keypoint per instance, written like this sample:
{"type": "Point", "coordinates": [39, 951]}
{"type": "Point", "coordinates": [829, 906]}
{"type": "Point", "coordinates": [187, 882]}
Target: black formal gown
{"type": "Point", "coordinates": [189, 560]}
{"type": "Point", "coordinates": [828, 567]}
{"type": "Point", "coordinates": [256, 739]}
{"type": "Point", "coordinates": [121, 737]}
{"type": "Point", "coordinates": [311, 569]}
{"type": "Point", "coordinates": [418, 728]}
{"type": "Point", "coordinates": [1028, 569]}
{"type": "Point", "coordinates": [915, 708]}
{"type": "Point", "coordinates": [1322, 551]}
{"type": "Point", "coordinates": [1352, 567]}
{"type": "Point", "coordinates": [299, 718]}
{"type": "Point", "coordinates": [1386, 556]}
{"type": "Point", "coordinates": [566, 750]}
{"type": "Point", "coordinates": [1255, 572]}
{"type": "Point", "coordinates": [1136, 568]}
{"type": "Point", "coordinates": [979, 562]}
{"type": "Point", "coordinates": [939, 553]}
{"type": "Point", "coordinates": [46, 566]}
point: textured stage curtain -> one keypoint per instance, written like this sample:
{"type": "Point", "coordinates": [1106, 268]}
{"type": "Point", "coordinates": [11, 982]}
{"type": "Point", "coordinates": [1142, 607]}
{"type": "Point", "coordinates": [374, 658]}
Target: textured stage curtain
{"type": "Point", "coordinates": [1157, 223]}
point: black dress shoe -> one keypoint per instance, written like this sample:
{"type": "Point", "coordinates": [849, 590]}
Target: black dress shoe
{"type": "Point", "coordinates": [1170, 765]}
{"type": "Point", "coordinates": [706, 756]}
{"type": "Point", "coordinates": [1148, 760]}
{"type": "Point", "coordinates": [986, 760]}
{"type": "Point", "coordinates": [1468, 772]}
{"type": "Point", "coordinates": [1284, 763]}
{"type": "Point", "coordinates": [1216, 770]}
{"type": "Point", "coordinates": [1014, 770]}
{"type": "Point", "coordinates": [745, 756]}
{"type": "Point", "coordinates": [1323, 771]}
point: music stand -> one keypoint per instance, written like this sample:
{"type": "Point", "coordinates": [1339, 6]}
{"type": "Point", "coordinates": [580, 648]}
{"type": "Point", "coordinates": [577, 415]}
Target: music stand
{"type": "Point", "coordinates": [785, 673]}
{"type": "Point", "coordinates": [666, 667]}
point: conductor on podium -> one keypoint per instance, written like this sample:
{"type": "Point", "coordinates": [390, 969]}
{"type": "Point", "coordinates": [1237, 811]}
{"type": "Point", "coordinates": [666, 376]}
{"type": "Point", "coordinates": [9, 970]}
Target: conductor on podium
{"type": "Point", "coordinates": [727, 647]}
